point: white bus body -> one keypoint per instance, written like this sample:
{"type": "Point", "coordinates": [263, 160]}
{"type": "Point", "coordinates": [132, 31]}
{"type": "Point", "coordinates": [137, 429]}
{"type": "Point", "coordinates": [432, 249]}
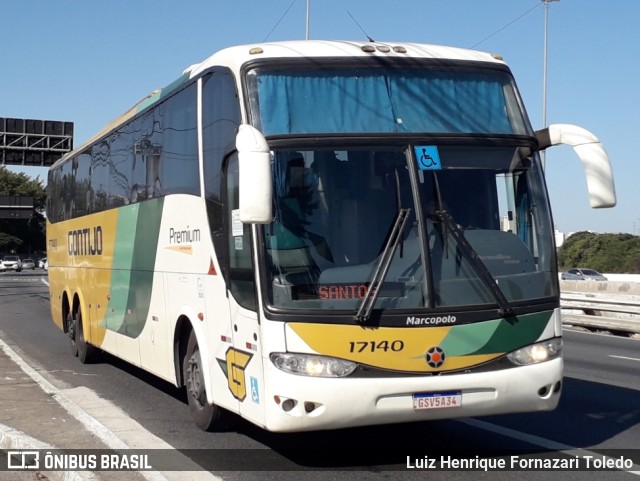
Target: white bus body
{"type": "Point", "coordinates": [316, 235]}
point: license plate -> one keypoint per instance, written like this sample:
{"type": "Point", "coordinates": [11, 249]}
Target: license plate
{"type": "Point", "coordinates": [437, 400]}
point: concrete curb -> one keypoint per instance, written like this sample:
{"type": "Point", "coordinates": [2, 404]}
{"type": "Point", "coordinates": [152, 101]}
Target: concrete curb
{"type": "Point", "coordinates": [12, 439]}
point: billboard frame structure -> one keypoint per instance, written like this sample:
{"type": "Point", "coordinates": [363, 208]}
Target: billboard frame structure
{"type": "Point", "coordinates": [16, 207]}
{"type": "Point", "coordinates": [31, 142]}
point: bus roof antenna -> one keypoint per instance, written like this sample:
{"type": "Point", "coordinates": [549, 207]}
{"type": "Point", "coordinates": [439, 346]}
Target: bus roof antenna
{"type": "Point", "coordinates": [360, 27]}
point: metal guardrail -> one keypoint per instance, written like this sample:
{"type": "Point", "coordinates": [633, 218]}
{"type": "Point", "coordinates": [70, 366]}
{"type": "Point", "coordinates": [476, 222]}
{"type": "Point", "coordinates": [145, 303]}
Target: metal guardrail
{"type": "Point", "coordinates": [601, 310]}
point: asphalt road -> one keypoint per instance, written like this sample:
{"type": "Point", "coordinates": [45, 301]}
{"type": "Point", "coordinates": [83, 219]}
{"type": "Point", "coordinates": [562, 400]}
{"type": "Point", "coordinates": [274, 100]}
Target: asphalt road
{"type": "Point", "coordinates": [599, 410]}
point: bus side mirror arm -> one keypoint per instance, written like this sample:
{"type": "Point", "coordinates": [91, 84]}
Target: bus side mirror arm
{"type": "Point", "coordinates": [255, 184]}
{"type": "Point", "coordinates": [594, 159]}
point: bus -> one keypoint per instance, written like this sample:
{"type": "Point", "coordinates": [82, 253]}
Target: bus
{"type": "Point", "coordinates": [322, 234]}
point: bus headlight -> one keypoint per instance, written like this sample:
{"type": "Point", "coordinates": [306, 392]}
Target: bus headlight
{"type": "Point", "coordinates": [312, 365]}
{"type": "Point", "coordinates": [535, 353]}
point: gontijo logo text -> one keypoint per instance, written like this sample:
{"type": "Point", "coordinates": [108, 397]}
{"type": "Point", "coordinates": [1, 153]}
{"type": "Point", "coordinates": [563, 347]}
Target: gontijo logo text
{"type": "Point", "coordinates": [85, 242]}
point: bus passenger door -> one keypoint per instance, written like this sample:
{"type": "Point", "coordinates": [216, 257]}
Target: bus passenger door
{"type": "Point", "coordinates": [244, 360]}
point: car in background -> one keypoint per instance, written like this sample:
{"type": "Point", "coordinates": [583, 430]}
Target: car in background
{"type": "Point", "coordinates": [582, 274]}
{"type": "Point", "coordinates": [28, 264]}
{"type": "Point", "coordinates": [11, 263]}
{"type": "Point", "coordinates": [42, 263]}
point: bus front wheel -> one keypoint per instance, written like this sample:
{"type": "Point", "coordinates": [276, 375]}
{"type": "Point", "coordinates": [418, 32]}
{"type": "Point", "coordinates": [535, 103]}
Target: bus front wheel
{"type": "Point", "coordinates": [206, 416]}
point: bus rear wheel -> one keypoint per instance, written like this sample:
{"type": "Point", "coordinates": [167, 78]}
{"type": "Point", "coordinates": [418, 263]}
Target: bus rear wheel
{"type": "Point", "coordinates": [71, 332]}
{"type": "Point", "coordinates": [207, 417]}
{"type": "Point", "coordinates": [85, 351]}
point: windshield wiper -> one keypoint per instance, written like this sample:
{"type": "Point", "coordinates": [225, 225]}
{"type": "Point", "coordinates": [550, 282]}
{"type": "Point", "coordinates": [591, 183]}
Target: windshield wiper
{"type": "Point", "coordinates": [364, 312]}
{"type": "Point", "coordinates": [469, 253]}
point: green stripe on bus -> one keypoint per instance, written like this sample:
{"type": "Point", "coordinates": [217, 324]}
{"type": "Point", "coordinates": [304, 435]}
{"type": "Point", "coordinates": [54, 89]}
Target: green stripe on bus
{"type": "Point", "coordinates": [501, 335]}
{"type": "Point", "coordinates": [133, 267]}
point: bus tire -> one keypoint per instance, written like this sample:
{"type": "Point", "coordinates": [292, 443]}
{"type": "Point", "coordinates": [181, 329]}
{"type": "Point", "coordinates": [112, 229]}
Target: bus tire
{"type": "Point", "coordinates": [207, 417]}
{"type": "Point", "coordinates": [71, 330]}
{"type": "Point", "coordinates": [86, 352]}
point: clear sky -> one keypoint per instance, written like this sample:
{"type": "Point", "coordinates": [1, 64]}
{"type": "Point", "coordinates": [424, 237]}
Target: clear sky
{"type": "Point", "coordinates": [88, 61]}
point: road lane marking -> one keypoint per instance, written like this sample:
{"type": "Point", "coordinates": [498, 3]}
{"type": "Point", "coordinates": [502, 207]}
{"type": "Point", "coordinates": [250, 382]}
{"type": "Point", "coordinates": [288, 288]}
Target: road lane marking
{"type": "Point", "coordinates": [540, 441]}
{"type": "Point", "coordinates": [625, 357]}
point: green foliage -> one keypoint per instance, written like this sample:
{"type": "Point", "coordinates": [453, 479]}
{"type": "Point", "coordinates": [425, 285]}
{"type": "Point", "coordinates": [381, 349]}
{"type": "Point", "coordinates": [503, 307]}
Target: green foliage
{"type": "Point", "coordinates": [612, 253]}
{"type": "Point", "coordinates": [9, 243]}
{"type": "Point", "coordinates": [12, 183]}
{"type": "Point", "coordinates": [23, 236]}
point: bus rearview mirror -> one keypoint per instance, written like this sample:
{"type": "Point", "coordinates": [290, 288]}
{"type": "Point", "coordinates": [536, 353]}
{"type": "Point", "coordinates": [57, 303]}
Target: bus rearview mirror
{"type": "Point", "coordinates": [255, 187]}
{"type": "Point", "coordinates": [594, 159]}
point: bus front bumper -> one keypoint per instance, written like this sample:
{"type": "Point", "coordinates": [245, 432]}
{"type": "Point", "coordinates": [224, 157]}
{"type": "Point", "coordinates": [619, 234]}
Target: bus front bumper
{"type": "Point", "coordinates": [301, 403]}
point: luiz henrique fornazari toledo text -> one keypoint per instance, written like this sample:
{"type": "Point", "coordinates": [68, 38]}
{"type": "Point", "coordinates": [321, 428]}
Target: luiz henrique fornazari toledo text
{"type": "Point", "coordinates": [521, 463]}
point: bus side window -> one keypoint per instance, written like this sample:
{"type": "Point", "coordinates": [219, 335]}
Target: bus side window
{"type": "Point", "coordinates": [220, 120]}
{"type": "Point", "coordinates": [241, 276]}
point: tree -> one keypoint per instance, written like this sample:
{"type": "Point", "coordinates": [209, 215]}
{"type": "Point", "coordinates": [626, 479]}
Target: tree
{"type": "Point", "coordinates": [613, 253]}
{"type": "Point", "coordinates": [23, 235]}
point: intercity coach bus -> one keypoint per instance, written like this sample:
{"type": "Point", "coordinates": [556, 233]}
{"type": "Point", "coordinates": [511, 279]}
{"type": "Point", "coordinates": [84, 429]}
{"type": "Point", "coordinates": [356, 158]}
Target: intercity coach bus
{"type": "Point", "coordinates": [317, 235]}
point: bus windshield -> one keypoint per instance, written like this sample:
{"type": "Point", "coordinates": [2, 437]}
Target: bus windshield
{"type": "Point", "coordinates": [375, 98]}
{"type": "Point", "coordinates": [469, 213]}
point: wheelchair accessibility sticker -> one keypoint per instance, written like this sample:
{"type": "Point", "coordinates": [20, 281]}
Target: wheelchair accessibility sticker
{"type": "Point", "coordinates": [428, 157]}
{"type": "Point", "coordinates": [255, 396]}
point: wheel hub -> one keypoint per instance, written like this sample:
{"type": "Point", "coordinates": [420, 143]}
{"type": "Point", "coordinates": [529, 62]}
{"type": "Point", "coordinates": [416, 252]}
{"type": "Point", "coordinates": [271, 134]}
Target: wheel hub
{"type": "Point", "coordinates": [195, 380]}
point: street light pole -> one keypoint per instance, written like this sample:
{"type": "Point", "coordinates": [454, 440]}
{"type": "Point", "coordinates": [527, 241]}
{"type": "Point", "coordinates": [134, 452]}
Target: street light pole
{"type": "Point", "coordinates": [308, 10]}
{"type": "Point", "coordinates": [544, 74]}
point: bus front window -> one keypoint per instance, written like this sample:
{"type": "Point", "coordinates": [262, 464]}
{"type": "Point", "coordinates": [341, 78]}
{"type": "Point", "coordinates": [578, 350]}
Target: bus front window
{"type": "Point", "coordinates": [335, 210]}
